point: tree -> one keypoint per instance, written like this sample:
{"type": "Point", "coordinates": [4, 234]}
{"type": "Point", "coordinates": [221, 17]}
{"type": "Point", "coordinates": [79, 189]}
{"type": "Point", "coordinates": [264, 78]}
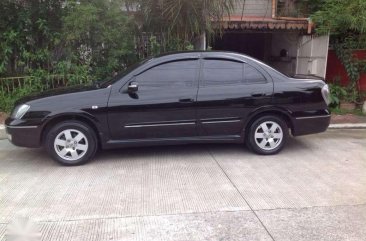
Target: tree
{"type": "Point", "coordinates": [184, 20]}
{"type": "Point", "coordinates": [102, 34]}
{"type": "Point", "coordinates": [341, 17]}
{"type": "Point", "coordinates": [346, 22]}
{"type": "Point", "coordinates": [29, 34]}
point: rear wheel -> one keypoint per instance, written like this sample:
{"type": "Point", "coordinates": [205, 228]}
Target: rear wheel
{"type": "Point", "coordinates": [71, 143]}
{"type": "Point", "coordinates": [267, 135]}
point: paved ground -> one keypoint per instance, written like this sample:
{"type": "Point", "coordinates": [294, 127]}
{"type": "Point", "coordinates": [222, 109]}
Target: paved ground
{"type": "Point", "coordinates": [314, 190]}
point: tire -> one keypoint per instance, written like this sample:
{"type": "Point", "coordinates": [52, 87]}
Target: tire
{"type": "Point", "coordinates": [267, 135]}
{"type": "Point", "coordinates": [71, 143]}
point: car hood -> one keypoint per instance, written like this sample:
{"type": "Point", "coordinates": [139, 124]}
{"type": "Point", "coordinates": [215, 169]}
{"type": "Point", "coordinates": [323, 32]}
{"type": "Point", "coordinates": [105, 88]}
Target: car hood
{"type": "Point", "coordinates": [56, 92]}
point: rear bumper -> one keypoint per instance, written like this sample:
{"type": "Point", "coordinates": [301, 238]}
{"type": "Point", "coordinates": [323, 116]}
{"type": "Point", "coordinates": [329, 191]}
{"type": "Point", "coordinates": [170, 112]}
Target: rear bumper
{"type": "Point", "coordinates": [23, 135]}
{"type": "Point", "coordinates": [310, 125]}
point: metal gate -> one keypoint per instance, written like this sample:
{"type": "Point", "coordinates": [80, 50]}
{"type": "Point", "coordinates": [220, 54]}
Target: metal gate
{"type": "Point", "coordinates": [312, 55]}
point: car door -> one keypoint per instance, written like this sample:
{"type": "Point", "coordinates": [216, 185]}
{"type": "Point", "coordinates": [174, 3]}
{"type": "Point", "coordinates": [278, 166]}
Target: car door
{"type": "Point", "coordinates": [162, 107]}
{"type": "Point", "coordinates": [229, 90]}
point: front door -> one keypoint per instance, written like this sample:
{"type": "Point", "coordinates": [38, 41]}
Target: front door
{"type": "Point", "coordinates": [162, 107]}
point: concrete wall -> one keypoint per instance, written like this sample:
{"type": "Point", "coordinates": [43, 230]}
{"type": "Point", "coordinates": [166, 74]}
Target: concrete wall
{"type": "Point", "coordinates": [289, 42]}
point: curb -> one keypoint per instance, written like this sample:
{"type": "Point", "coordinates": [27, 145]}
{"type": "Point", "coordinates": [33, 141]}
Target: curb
{"type": "Point", "coordinates": [348, 126]}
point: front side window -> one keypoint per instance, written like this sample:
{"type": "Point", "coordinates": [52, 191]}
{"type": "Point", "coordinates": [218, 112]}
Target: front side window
{"type": "Point", "coordinates": [177, 74]}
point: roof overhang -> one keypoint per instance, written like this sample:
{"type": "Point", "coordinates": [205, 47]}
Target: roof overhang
{"type": "Point", "coordinates": [260, 23]}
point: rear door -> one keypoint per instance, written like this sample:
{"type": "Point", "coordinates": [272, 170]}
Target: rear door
{"type": "Point", "coordinates": [228, 91]}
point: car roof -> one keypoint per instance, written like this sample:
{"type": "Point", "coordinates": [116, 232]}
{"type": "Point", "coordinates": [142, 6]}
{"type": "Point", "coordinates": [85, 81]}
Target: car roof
{"type": "Point", "coordinates": [199, 53]}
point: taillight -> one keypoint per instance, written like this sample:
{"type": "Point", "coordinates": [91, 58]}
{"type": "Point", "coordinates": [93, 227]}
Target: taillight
{"type": "Point", "coordinates": [326, 94]}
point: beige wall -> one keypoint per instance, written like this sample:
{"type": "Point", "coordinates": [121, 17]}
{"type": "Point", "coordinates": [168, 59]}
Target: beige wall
{"type": "Point", "coordinates": [258, 8]}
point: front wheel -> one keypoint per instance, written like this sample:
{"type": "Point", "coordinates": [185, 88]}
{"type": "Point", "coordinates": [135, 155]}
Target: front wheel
{"type": "Point", "coordinates": [267, 135]}
{"type": "Point", "coordinates": [71, 143]}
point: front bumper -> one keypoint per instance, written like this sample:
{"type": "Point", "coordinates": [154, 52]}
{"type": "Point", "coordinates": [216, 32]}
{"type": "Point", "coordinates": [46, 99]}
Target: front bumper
{"type": "Point", "coordinates": [23, 135]}
{"type": "Point", "coordinates": [310, 124]}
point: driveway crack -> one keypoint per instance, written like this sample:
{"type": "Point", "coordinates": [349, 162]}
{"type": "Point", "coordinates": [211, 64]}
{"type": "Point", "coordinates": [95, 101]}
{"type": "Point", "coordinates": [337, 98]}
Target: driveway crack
{"type": "Point", "coordinates": [241, 195]}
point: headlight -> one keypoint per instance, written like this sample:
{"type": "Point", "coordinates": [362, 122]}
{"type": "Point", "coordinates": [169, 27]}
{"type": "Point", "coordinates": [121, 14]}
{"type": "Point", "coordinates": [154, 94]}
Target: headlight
{"type": "Point", "coordinates": [326, 94]}
{"type": "Point", "coordinates": [20, 111]}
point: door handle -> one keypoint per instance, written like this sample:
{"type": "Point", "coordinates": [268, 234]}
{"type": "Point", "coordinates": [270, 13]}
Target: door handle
{"type": "Point", "coordinates": [186, 100]}
{"type": "Point", "coordinates": [256, 95]}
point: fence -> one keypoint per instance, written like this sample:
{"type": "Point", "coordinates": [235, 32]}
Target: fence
{"type": "Point", "coordinates": [10, 84]}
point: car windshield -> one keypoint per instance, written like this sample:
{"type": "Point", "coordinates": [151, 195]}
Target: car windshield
{"type": "Point", "coordinates": [109, 81]}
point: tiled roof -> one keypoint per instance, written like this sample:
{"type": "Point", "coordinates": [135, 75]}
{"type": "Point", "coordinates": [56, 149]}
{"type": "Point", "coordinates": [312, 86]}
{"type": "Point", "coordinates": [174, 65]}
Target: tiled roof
{"type": "Point", "coordinates": [260, 23]}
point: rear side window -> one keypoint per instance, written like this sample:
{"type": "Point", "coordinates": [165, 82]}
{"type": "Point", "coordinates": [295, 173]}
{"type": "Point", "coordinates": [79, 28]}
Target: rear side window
{"type": "Point", "coordinates": [178, 74]}
{"type": "Point", "coordinates": [253, 76]}
{"type": "Point", "coordinates": [227, 72]}
{"type": "Point", "coordinates": [222, 72]}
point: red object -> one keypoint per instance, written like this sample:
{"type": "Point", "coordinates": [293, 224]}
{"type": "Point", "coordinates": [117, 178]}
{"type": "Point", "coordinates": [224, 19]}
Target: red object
{"type": "Point", "coordinates": [336, 70]}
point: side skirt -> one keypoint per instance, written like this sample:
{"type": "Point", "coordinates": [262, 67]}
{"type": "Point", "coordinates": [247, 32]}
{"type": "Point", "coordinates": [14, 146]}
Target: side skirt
{"type": "Point", "coordinates": [172, 141]}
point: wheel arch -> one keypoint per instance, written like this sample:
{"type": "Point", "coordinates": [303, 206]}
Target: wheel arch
{"type": "Point", "coordinates": [70, 117]}
{"type": "Point", "coordinates": [282, 113]}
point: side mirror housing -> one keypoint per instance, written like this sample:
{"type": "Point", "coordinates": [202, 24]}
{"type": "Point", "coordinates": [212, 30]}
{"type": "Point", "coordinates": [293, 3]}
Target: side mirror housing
{"type": "Point", "coordinates": [133, 87]}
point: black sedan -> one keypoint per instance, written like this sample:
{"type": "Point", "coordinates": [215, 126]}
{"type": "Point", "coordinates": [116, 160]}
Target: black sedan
{"type": "Point", "coordinates": [190, 97]}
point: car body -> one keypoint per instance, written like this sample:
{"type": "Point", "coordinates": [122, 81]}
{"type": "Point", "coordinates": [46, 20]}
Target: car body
{"type": "Point", "coordinates": [179, 98]}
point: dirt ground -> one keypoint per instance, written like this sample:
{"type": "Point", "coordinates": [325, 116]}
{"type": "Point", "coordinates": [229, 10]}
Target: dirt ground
{"type": "Point", "coordinates": [349, 118]}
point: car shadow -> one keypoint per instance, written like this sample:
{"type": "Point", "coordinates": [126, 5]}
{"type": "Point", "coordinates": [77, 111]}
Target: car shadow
{"type": "Point", "coordinates": [168, 152]}
{"type": "Point", "coordinates": [189, 150]}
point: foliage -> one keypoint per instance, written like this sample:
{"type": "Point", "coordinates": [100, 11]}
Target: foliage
{"type": "Point", "coordinates": [349, 62]}
{"type": "Point", "coordinates": [340, 17]}
{"type": "Point", "coordinates": [346, 22]}
{"type": "Point", "coordinates": [79, 40]}
{"type": "Point", "coordinates": [353, 66]}
{"type": "Point", "coordinates": [340, 94]}
{"type": "Point", "coordinates": [312, 6]}
{"type": "Point", "coordinates": [338, 111]}
{"type": "Point", "coordinates": [102, 34]}
{"type": "Point", "coordinates": [181, 21]}
{"type": "Point", "coordinates": [337, 93]}
{"type": "Point", "coordinates": [29, 35]}
{"type": "Point", "coordinates": [94, 35]}
{"type": "Point", "coordinates": [85, 40]}
{"type": "Point", "coordinates": [7, 101]}
{"type": "Point", "coordinates": [13, 89]}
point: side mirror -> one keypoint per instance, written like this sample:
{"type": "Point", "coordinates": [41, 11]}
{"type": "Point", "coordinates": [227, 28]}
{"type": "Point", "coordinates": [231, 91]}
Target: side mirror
{"type": "Point", "coordinates": [133, 87]}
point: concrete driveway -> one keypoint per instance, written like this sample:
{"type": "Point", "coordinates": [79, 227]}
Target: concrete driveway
{"type": "Point", "coordinates": [314, 190]}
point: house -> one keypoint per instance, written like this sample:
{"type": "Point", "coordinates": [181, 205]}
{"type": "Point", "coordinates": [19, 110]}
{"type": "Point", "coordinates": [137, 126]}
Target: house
{"type": "Point", "coordinates": [278, 32]}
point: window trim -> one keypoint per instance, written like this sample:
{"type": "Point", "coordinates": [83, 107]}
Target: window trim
{"type": "Point", "coordinates": [167, 62]}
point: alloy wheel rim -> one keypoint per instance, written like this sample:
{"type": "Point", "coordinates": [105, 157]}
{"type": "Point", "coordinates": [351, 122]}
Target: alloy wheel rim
{"type": "Point", "coordinates": [71, 145]}
{"type": "Point", "coordinates": [268, 135]}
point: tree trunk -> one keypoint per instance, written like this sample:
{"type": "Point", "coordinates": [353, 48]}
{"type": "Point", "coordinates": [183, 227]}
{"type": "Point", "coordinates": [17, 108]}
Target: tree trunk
{"type": "Point", "coordinates": [200, 42]}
